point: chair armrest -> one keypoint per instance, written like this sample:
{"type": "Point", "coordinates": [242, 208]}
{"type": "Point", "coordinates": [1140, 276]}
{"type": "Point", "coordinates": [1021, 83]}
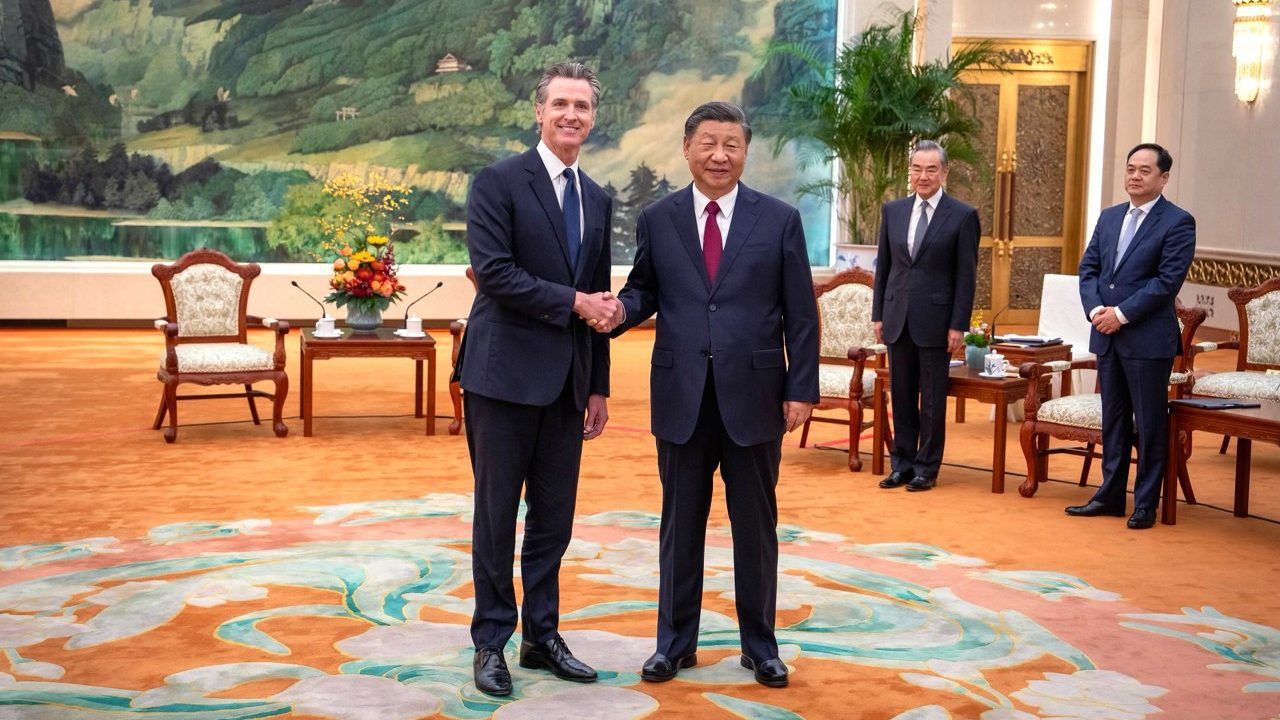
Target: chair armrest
{"type": "Point", "coordinates": [859, 357]}
{"type": "Point", "coordinates": [170, 330]}
{"type": "Point", "coordinates": [1033, 371]}
{"type": "Point", "coordinates": [455, 329]}
{"type": "Point", "coordinates": [862, 353]}
{"type": "Point", "coordinates": [1204, 347]}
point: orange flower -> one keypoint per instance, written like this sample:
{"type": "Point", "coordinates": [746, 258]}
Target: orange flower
{"type": "Point", "coordinates": [377, 265]}
{"type": "Point", "coordinates": [339, 265]}
{"type": "Point", "coordinates": [353, 263]}
{"type": "Point", "coordinates": [386, 290]}
{"type": "Point", "coordinates": [345, 251]}
{"type": "Point", "coordinates": [364, 273]}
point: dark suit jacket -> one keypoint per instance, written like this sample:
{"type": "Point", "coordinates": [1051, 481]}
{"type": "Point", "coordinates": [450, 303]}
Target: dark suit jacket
{"type": "Point", "coordinates": [933, 293]}
{"type": "Point", "coordinates": [523, 340]}
{"type": "Point", "coordinates": [1146, 283]}
{"type": "Point", "coordinates": [762, 301]}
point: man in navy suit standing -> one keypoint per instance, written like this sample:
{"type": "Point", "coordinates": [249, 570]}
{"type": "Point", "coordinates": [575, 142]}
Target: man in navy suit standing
{"type": "Point", "coordinates": [926, 271]}
{"type": "Point", "coordinates": [735, 365]}
{"type": "Point", "coordinates": [538, 231]}
{"type": "Point", "coordinates": [1130, 276]}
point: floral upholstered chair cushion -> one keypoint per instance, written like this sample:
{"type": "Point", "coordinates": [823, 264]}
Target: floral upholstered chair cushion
{"type": "Point", "coordinates": [1084, 411]}
{"type": "Point", "coordinates": [1263, 314]}
{"type": "Point", "coordinates": [1241, 385]}
{"type": "Point", "coordinates": [221, 358]}
{"type": "Point", "coordinates": [206, 299]}
{"type": "Point", "coordinates": [833, 380]}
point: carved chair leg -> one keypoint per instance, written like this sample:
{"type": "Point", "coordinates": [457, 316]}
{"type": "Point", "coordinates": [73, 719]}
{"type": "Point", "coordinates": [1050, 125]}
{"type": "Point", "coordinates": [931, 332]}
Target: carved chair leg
{"type": "Point", "coordinates": [455, 394]}
{"type": "Point", "coordinates": [1184, 448]}
{"type": "Point", "coordinates": [1226, 440]}
{"type": "Point", "coordinates": [277, 405]}
{"type": "Point", "coordinates": [1028, 439]}
{"type": "Point", "coordinates": [171, 407]}
{"type": "Point", "coordinates": [253, 409]}
{"type": "Point", "coordinates": [160, 413]}
{"type": "Point", "coordinates": [855, 434]}
{"type": "Point", "coordinates": [804, 433]}
{"type": "Point", "coordinates": [1088, 463]}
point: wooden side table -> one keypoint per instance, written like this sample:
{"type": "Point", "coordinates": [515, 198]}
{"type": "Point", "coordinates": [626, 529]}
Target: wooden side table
{"type": "Point", "coordinates": [1017, 354]}
{"type": "Point", "coordinates": [965, 383]}
{"type": "Point", "coordinates": [381, 343]}
{"type": "Point", "coordinates": [1245, 424]}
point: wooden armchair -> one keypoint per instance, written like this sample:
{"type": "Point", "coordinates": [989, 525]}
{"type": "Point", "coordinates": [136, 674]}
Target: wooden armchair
{"type": "Point", "coordinates": [456, 328]}
{"type": "Point", "coordinates": [1079, 417]}
{"type": "Point", "coordinates": [847, 344]}
{"type": "Point", "coordinates": [1257, 373]}
{"type": "Point", "coordinates": [205, 336]}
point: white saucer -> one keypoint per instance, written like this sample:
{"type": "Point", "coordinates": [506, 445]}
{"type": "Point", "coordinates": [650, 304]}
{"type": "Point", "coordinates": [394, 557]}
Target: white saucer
{"type": "Point", "coordinates": [328, 336]}
{"type": "Point", "coordinates": [406, 334]}
{"type": "Point", "coordinates": [991, 377]}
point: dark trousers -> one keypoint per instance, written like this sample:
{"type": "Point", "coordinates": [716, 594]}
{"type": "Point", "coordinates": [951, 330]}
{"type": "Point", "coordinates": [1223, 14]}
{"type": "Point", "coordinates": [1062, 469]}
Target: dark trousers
{"type": "Point", "coordinates": [539, 449]}
{"type": "Point", "coordinates": [1133, 391]}
{"type": "Point", "coordinates": [918, 379]}
{"type": "Point", "coordinates": [750, 475]}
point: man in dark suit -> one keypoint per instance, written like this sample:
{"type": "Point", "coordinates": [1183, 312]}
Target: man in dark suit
{"type": "Point", "coordinates": [735, 365]}
{"type": "Point", "coordinates": [1130, 276]}
{"type": "Point", "coordinates": [926, 269]}
{"type": "Point", "coordinates": [538, 234]}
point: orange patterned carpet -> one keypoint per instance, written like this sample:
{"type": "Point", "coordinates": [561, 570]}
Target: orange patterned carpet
{"type": "Point", "coordinates": [237, 575]}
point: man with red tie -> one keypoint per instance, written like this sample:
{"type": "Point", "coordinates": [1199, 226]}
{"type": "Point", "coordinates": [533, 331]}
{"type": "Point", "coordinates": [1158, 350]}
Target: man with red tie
{"type": "Point", "coordinates": [735, 365]}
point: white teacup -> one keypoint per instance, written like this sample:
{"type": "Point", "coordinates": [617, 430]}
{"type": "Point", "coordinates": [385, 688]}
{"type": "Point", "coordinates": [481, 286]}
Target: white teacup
{"type": "Point", "coordinates": [994, 364]}
{"type": "Point", "coordinates": [324, 326]}
{"type": "Point", "coordinates": [413, 325]}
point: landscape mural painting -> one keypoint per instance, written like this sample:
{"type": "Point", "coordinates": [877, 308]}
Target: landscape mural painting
{"type": "Point", "coordinates": [140, 129]}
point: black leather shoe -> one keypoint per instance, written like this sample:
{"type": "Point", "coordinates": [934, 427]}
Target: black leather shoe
{"type": "Point", "coordinates": [660, 668]}
{"type": "Point", "coordinates": [490, 671]}
{"type": "Point", "coordinates": [921, 483]}
{"type": "Point", "coordinates": [554, 655]}
{"type": "Point", "coordinates": [771, 672]}
{"type": "Point", "coordinates": [1141, 519]}
{"type": "Point", "coordinates": [895, 479]}
{"type": "Point", "coordinates": [1094, 508]}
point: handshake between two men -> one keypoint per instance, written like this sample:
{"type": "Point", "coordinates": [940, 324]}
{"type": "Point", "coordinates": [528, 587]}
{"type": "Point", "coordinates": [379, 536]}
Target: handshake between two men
{"type": "Point", "coordinates": [602, 311]}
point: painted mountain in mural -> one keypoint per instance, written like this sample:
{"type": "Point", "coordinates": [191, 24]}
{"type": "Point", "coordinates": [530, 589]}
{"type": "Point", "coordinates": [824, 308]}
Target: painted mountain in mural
{"type": "Point", "coordinates": [260, 98]}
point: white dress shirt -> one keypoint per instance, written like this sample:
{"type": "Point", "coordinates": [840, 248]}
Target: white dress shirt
{"type": "Point", "coordinates": [555, 167]}
{"type": "Point", "coordinates": [1128, 218]}
{"type": "Point", "coordinates": [932, 201]}
{"type": "Point", "coordinates": [726, 203]}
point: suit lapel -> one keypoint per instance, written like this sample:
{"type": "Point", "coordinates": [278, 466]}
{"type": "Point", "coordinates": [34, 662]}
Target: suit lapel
{"type": "Point", "coordinates": [746, 211]}
{"type": "Point", "coordinates": [540, 182]}
{"type": "Point", "coordinates": [687, 228]}
{"type": "Point", "coordinates": [935, 223]}
{"type": "Point", "coordinates": [593, 222]}
{"type": "Point", "coordinates": [1148, 223]}
{"type": "Point", "coordinates": [899, 237]}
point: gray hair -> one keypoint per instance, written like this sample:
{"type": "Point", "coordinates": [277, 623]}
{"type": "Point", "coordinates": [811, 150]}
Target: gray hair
{"type": "Point", "coordinates": [572, 71]}
{"type": "Point", "coordinates": [930, 145]}
{"type": "Point", "coordinates": [717, 111]}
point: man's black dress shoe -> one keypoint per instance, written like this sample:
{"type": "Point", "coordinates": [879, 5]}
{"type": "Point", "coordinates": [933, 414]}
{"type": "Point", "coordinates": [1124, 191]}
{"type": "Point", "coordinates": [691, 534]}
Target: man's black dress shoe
{"type": "Point", "coordinates": [771, 672]}
{"type": "Point", "coordinates": [895, 479]}
{"type": "Point", "coordinates": [490, 671]}
{"type": "Point", "coordinates": [660, 668]}
{"type": "Point", "coordinates": [554, 655]}
{"type": "Point", "coordinates": [921, 483]}
{"type": "Point", "coordinates": [1141, 519]}
{"type": "Point", "coordinates": [1094, 508]}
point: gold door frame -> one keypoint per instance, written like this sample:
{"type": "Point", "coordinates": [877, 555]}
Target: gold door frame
{"type": "Point", "coordinates": [1031, 63]}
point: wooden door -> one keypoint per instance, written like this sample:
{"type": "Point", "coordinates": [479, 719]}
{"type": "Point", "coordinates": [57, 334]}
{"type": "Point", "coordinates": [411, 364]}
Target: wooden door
{"type": "Point", "coordinates": [1034, 116]}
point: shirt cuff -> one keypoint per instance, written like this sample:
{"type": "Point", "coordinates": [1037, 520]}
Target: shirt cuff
{"type": "Point", "coordinates": [1094, 312]}
{"type": "Point", "coordinates": [1120, 316]}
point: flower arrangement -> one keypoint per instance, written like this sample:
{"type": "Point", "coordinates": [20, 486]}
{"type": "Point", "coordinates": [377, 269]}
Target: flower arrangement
{"type": "Point", "coordinates": [978, 335]}
{"type": "Point", "coordinates": [361, 243]}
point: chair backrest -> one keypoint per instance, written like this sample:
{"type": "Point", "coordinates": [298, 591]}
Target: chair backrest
{"type": "Point", "coordinates": [1189, 320]}
{"type": "Point", "coordinates": [1061, 314]}
{"type": "Point", "coordinates": [844, 313]}
{"type": "Point", "coordinates": [1259, 311]}
{"type": "Point", "coordinates": [207, 294]}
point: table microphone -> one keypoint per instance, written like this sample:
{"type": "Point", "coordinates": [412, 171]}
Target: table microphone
{"type": "Point", "coordinates": [415, 302]}
{"type": "Point", "coordinates": [323, 313]}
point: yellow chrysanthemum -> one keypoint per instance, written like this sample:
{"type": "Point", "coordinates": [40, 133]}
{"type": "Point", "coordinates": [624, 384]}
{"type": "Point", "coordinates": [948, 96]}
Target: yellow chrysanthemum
{"type": "Point", "coordinates": [377, 239]}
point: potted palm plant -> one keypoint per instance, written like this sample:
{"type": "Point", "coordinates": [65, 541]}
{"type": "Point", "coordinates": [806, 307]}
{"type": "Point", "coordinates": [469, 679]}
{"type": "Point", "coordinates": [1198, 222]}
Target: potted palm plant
{"type": "Point", "coordinates": [868, 108]}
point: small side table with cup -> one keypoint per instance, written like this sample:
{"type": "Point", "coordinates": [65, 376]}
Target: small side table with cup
{"type": "Point", "coordinates": [1012, 356]}
{"type": "Point", "coordinates": [325, 341]}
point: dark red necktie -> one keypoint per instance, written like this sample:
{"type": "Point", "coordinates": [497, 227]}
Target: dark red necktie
{"type": "Point", "coordinates": [712, 244]}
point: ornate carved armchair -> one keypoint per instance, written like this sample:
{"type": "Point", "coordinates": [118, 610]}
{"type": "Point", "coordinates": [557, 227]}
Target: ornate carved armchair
{"type": "Point", "coordinates": [847, 344]}
{"type": "Point", "coordinates": [456, 328]}
{"type": "Point", "coordinates": [1257, 373]}
{"type": "Point", "coordinates": [1079, 417]}
{"type": "Point", "coordinates": [205, 329]}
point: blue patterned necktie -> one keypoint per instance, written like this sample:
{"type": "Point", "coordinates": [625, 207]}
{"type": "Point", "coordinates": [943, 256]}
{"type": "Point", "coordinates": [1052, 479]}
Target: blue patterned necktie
{"type": "Point", "coordinates": [572, 222]}
{"type": "Point", "coordinates": [1126, 234]}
